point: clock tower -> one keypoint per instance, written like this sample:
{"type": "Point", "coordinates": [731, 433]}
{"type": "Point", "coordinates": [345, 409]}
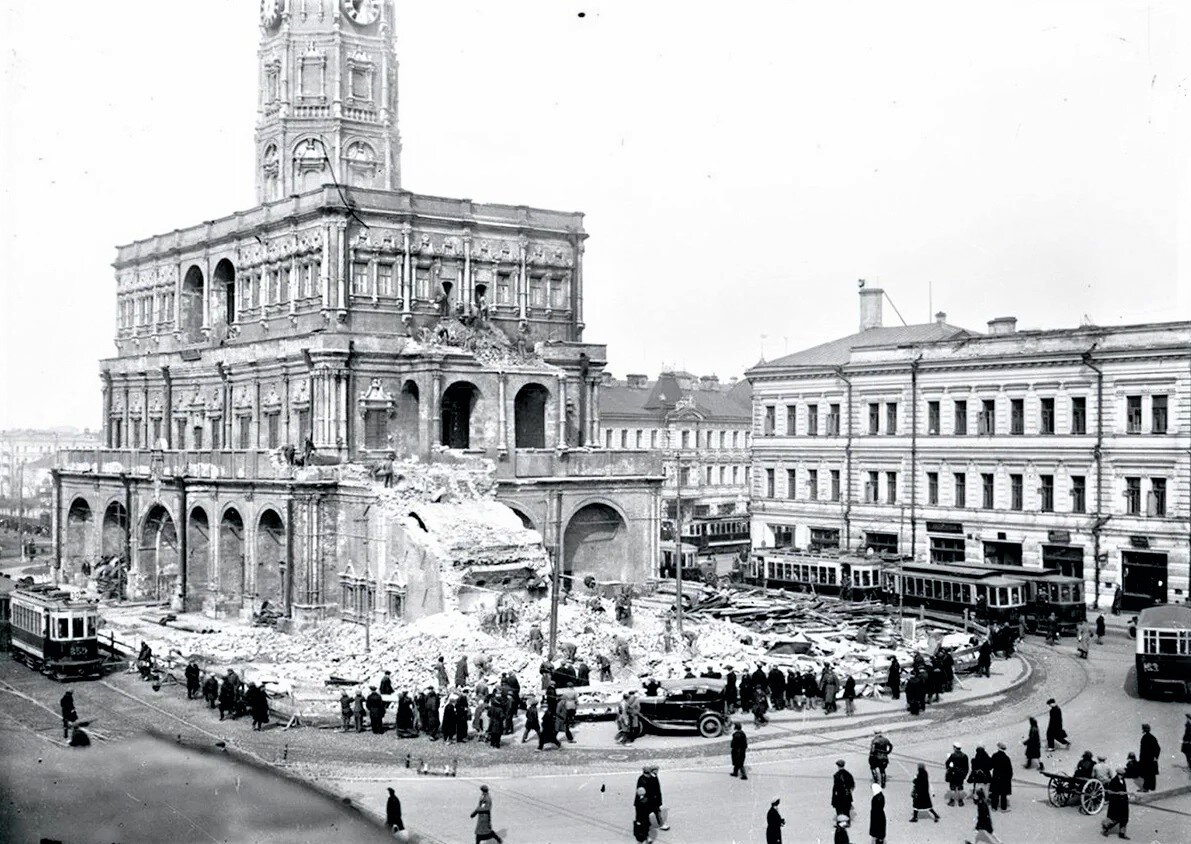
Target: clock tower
{"type": "Point", "coordinates": [328, 97]}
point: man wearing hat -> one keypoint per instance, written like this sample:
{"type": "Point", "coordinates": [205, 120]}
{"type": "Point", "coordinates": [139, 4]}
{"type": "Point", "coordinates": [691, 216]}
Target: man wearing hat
{"type": "Point", "coordinates": [1001, 782]}
{"type": "Point", "coordinates": [1102, 770]}
{"type": "Point", "coordinates": [1148, 754]}
{"type": "Point", "coordinates": [956, 771]}
{"type": "Point", "coordinates": [1117, 794]}
{"type": "Point", "coordinates": [878, 757]}
{"type": "Point", "coordinates": [1054, 727]}
{"type": "Point", "coordinates": [740, 744]}
{"type": "Point", "coordinates": [653, 791]}
{"type": "Point", "coordinates": [842, 786]}
{"type": "Point", "coordinates": [483, 815]}
{"type": "Point", "coordinates": [774, 823]}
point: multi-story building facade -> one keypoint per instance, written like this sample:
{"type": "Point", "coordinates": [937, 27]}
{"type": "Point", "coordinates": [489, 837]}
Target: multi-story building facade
{"type": "Point", "coordinates": [702, 430]}
{"type": "Point", "coordinates": [27, 454]}
{"type": "Point", "coordinates": [345, 317]}
{"type": "Point", "coordinates": [1067, 449]}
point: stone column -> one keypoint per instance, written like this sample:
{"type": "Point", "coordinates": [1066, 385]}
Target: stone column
{"type": "Point", "coordinates": [522, 279]}
{"type": "Point", "coordinates": [340, 238]}
{"type": "Point", "coordinates": [594, 412]}
{"type": "Point", "coordinates": [577, 290]}
{"type": "Point", "coordinates": [435, 402]}
{"type": "Point", "coordinates": [503, 416]}
{"type": "Point", "coordinates": [562, 410]}
{"type": "Point", "coordinates": [106, 392]}
{"type": "Point", "coordinates": [407, 281]}
{"type": "Point", "coordinates": [324, 269]}
{"type": "Point", "coordinates": [468, 293]}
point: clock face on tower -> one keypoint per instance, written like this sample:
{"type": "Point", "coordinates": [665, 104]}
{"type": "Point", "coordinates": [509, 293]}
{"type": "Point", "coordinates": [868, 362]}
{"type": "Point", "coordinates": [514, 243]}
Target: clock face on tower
{"type": "Point", "coordinates": [271, 12]}
{"type": "Point", "coordinates": [362, 12]}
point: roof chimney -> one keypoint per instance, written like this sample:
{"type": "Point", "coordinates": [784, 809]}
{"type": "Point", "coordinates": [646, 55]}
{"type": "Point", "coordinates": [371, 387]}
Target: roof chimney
{"type": "Point", "coordinates": [709, 382]}
{"type": "Point", "coordinates": [1002, 325]}
{"type": "Point", "coordinates": [870, 307]}
{"type": "Point", "coordinates": [941, 318]}
{"type": "Point", "coordinates": [637, 381]}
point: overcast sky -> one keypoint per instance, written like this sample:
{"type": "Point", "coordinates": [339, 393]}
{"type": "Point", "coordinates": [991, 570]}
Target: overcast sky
{"type": "Point", "coordinates": [740, 164]}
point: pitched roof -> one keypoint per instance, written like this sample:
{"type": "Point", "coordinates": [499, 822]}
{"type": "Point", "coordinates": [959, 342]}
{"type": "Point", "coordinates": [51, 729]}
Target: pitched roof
{"type": "Point", "coordinates": [838, 352]}
{"type": "Point", "coordinates": [657, 398]}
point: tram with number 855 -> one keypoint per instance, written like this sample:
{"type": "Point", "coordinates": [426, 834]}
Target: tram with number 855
{"type": "Point", "coordinates": [54, 632]}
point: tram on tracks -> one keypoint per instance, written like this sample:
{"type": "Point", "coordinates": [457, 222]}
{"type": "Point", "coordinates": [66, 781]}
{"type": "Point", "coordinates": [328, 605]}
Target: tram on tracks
{"type": "Point", "coordinates": [845, 575]}
{"type": "Point", "coordinates": [54, 633]}
{"type": "Point", "coordinates": [987, 593]}
{"type": "Point", "coordinates": [1164, 651]}
{"type": "Point", "coordinates": [7, 585]}
{"type": "Point", "coordinates": [1050, 592]}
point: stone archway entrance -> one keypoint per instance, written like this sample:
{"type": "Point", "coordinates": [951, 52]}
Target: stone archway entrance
{"type": "Point", "coordinates": [458, 402]}
{"type": "Point", "coordinates": [270, 560]}
{"type": "Point", "coordinates": [231, 560]}
{"type": "Point", "coordinates": [79, 547]}
{"type": "Point", "coordinates": [596, 542]}
{"type": "Point", "coordinates": [529, 416]}
{"type": "Point", "coordinates": [198, 558]}
{"type": "Point", "coordinates": [114, 532]}
{"type": "Point", "coordinates": [156, 571]}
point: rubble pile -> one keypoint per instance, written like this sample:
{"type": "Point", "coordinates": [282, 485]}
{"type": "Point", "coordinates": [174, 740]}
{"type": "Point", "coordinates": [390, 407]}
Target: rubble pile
{"type": "Point", "coordinates": [854, 639]}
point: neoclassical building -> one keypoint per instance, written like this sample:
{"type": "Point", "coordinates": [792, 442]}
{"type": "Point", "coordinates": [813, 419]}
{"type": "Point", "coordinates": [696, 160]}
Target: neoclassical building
{"type": "Point", "coordinates": [344, 315]}
{"type": "Point", "coordinates": [1064, 449]}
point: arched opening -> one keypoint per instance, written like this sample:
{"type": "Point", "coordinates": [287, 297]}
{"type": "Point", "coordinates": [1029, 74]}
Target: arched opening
{"type": "Point", "coordinates": [114, 532]}
{"type": "Point", "coordinates": [405, 437]}
{"type": "Point", "coordinates": [270, 560]}
{"type": "Point", "coordinates": [224, 279]}
{"type": "Point", "coordinates": [155, 575]}
{"type": "Point", "coordinates": [529, 416]}
{"type": "Point", "coordinates": [458, 403]}
{"type": "Point", "coordinates": [596, 543]}
{"type": "Point", "coordinates": [198, 557]}
{"type": "Point", "coordinates": [77, 553]}
{"type": "Point", "coordinates": [526, 521]}
{"type": "Point", "coordinates": [231, 559]}
{"type": "Point", "coordinates": [192, 305]}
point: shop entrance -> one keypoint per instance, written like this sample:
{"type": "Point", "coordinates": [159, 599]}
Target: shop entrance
{"type": "Point", "coordinates": [1064, 559]}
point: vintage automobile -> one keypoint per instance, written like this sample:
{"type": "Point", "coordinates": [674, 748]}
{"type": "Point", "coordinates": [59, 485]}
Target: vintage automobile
{"type": "Point", "coordinates": [691, 705]}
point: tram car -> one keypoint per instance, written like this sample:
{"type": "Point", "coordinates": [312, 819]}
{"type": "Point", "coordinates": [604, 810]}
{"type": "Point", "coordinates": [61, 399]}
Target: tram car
{"type": "Point", "coordinates": [55, 633]}
{"type": "Point", "coordinates": [717, 535]}
{"type": "Point", "coordinates": [7, 585]}
{"type": "Point", "coordinates": [846, 575]}
{"type": "Point", "coordinates": [1050, 592]}
{"type": "Point", "coordinates": [1164, 651]}
{"type": "Point", "coordinates": [694, 570]}
{"type": "Point", "coordinates": [988, 594]}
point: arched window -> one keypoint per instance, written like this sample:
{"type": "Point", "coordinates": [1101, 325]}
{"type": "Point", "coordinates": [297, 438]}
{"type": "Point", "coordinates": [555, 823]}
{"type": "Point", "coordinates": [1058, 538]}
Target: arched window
{"type": "Point", "coordinates": [529, 416]}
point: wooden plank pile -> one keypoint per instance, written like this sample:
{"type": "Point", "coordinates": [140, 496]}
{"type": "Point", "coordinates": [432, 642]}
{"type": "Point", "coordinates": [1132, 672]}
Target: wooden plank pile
{"type": "Point", "coordinates": [776, 611]}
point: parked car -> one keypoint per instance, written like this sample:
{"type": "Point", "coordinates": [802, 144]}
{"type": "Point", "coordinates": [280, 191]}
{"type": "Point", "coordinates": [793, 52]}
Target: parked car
{"type": "Point", "coordinates": [691, 705]}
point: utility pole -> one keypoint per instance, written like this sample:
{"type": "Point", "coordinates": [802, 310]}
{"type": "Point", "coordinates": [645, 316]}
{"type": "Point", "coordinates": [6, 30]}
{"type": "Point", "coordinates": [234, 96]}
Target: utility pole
{"type": "Point", "coordinates": [367, 582]}
{"type": "Point", "coordinates": [678, 542]}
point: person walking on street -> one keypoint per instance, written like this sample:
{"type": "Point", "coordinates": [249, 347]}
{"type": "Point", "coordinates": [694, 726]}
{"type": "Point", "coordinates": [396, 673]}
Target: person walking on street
{"type": "Point", "coordinates": [956, 771]}
{"type": "Point", "coordinates": [850, 695]}
{"type": "Point", "coordinates": [984, 827]}
{"type": "Point", "coordinates": [211, 690]}
{"type": "Point", "coordinates": [653, 789]}
{"type": "Point", "coordinates": [1117, 795]}
{"type": "Point", "coordinates": [1116, 601]}
{"type": "Point", "coordinates": [1147, 756]}
{"type": "Point", "coordinates": [532, 724]}
{"type": "Point", "coordinates": [920, 795]}
{"type": "Point", "coordinates": [1033, 743]}
{"type": "Point", "coordinates": [774, 823]}
{"type": "Point", "coordinates": [192, 680]}
{"type": "Point", "coordinates": [1054, 726]}
{"type": "Point", "coordinates": [876, 815]}
{"type": "Point", "coordinates": [842, 786]}
{"type": "Point", "coordinates": [878, 757]}
{"type": "Point", "coordinates": [641, 811]}
{"type": "Point", "coordinates": [1100, 629]}
{"type": "Point", "coordinates": [1186, 746]}
{"type": "Point", "coordinates": [483, 815]}
{"type": "Point", "coordinates": [740, 745]}
{"type": "Point", "coordinates": [69, 715]}
{"type": "Point", "coordinates": [760, 707]}
{"type": "Point", "coordinates": [1083, 640]}
{"type": "Point", "coordinates": [393, 813]}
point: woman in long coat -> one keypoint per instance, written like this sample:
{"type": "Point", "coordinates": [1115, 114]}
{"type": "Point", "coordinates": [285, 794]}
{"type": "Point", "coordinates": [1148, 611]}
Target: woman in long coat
{"type": "Point", "coordinates": [920, 794]}
{"type": "Point", "coordinates": [1033, 743]}
{"type": "Point", "coordinates": [876, 816]}
{"type": "Point", "coordinates": [448, 721]}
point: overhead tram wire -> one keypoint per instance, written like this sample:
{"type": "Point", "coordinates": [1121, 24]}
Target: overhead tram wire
{"type": "Point", "coordinates": [342, 195]}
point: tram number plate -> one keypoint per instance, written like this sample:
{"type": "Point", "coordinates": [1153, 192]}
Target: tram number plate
{"type": "Point", "coordinates": [1149, 667]}
{"type": "Point", "coordinates": [78, 650]}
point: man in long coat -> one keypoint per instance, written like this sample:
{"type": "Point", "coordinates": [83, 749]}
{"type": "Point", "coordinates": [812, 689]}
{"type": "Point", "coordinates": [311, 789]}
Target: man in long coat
{"type": "Point", "coordinates": [730, 693]}
{"type": "Point", "coordinates": [1117, 795]}
{"type": "Point", "coordinates": [740, 745]}
{"type": "Point", "coordinates": [842, 786]}
{"type": "Point", "coordinates": [393, 813]}
{"type": "Point", "coordinates": [376, 710]}
{"type": "Point", "coordinates": [1001, 784]}
{"type": "Point", "coordinates": [777, 687]}
{"type": "Point", "coordinates": [1147, 758]}
{"type": "Point", "coordinates": [483, 815]}
{"type": "Point", "coordinates": [192, 680]}
{"type": "Point", "coordinates": [895, 678]}
{"type": "Point", "coordinates": [1054, 726]}
{"type": "Point", "coordinates": [774, 823]}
